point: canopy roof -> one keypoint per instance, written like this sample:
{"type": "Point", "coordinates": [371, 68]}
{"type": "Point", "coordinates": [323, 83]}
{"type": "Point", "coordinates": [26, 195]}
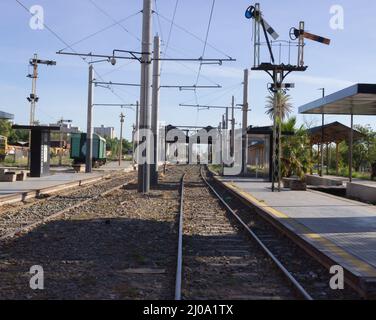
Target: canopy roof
{"type": "Point", "coordinates": [36, 128]}
{"type": "Point", "coordinates": [333, 132]}
{"type": "Point", "coordinates": [6, 116]}
{"type": "Point", "coordinates": [359, 99]}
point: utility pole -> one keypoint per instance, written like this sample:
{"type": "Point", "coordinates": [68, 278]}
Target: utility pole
{"type": "Point", "coordinates": [137, 128]}
{"type": "Point", "coordinates": [89, 129]}
{"type": "Point", "coordinates": [122, 116]}
{"type": "Point", "coordinates": [233, 126]}
{"type": "Point", "coordinates": [245, 123]}
{"type": "Point", "coordinates": [155, 110]}
{"type": "Point", "coordinates": [145, 94]}
{"type": "Point", "coordinates": [227, 119]}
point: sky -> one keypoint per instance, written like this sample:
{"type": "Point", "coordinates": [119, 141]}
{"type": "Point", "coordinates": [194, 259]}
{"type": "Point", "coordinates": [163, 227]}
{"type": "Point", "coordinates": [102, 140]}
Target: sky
{"type": "Point", "coordinates": [63, 88]}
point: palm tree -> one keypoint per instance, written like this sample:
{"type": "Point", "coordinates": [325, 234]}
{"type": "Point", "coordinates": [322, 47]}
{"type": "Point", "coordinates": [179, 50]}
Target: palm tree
{"type": "Point", "coordinates": [278, 108]}
{"type": "Point", "coordinates": [278, 105]}
{"type": "Point", "coordinates": [296, 157]}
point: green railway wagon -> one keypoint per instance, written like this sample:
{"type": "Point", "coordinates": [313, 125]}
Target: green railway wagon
{"type": "Point", "coordinates": [78, 149]}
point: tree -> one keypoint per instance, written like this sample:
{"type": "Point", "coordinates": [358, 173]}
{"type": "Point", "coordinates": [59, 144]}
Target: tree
{"type": "Point", "coordinates": [278, 105]}
{"type": "Point", "coordinates": [278, 108]}
{"type": "Point", "coordinates": [5, 128]}
{"type": "Point", "coordinates": [112, 145]}
{"type": "Point", "coordinates": [13, 136]}
{"type": "Point", "coordinates": [296, 155]}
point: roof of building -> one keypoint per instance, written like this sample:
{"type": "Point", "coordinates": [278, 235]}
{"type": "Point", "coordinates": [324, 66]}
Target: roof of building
{"type": "Point", "coordinates": [6, 115]}
{"type": "Point", "coordinates": [359, 99]}
{"type": "Point", "coordinates": [333, 132]}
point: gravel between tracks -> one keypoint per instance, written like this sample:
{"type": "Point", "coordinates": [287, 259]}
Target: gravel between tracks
{"type": "Point", "coordinates": [119, 246]}
{"type": "Point", "coordinates": [219, 259]}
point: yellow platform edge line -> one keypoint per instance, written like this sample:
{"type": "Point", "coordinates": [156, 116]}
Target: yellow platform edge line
{"type": "Point", "coordinates": [334, 249]}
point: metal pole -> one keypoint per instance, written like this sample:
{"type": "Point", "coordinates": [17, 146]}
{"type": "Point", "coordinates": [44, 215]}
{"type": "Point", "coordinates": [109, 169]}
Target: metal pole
{"type": "Point", "coordinates": [145, 94]}
{"type": "Point", "coordinates": [351, 148]}
{"type": "Point", "coordinates": [322, 138]}
{"type": "Point", "coordinates": [155, 110]}
{"type": "Point", "coordinates": [233, 126]}
{"type": "Point", "coordinates": [89, 129]}
{"type": "Point", "coordinates": [61, 144]}
{"type": "Point", "coordinates": [121, 138]}
{"type": "Point", "coordinates": [32, 104]}
{"type": "Point", "coordinates": [227, 119]}
{"type": "Point", "coordinates": [245, 123]}
{"type": "Point", "coordinates": [337, 158]}
{"type": "Point", "coordinates": [34, 90]}
{"type": "Point", "coordinates": [327, 158]}
{"type": "Point", "coordinates": [137, 138]}
{"type": "Point", "coordinates": [133, 142]}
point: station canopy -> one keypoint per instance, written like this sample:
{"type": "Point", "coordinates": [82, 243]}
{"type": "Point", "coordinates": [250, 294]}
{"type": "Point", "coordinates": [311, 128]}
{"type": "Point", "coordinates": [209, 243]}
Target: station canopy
{"type": "Point", "coordinates": [333, 132]}
{"type": "Point", "coordinates": [359, 99]}
{"type": "Point", "coordinates": [6, 116]}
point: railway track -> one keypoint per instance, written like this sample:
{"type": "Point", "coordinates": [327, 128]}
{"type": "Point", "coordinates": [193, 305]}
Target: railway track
{"type": "Point", "coordinates": [108, 242]}
{"type": "Point", "coordinates": [217, 260]}
{"type": "Point", "coordinates": [299, 267]}
{"type": "Point", "coordinates": [24, 218]}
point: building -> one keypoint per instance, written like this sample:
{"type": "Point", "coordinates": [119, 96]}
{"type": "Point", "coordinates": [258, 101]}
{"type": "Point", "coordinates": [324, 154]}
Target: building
{"type": "Point", "coordinates": [66, 127]}
{"type": "Point", "coordinates": [103, 131]}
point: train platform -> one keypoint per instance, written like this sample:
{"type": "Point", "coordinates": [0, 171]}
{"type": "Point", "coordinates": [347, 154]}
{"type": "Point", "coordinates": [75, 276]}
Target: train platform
{"type": "Point", "coordinates": [61, 178]}
{"type": "Point", "coordinates": [336, 230]}
{"type": "Point", "coordinates": [357, 189]}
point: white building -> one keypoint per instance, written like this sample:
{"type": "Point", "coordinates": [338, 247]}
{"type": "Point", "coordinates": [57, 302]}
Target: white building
{"type": "Point", "coordinates": [105, 131]}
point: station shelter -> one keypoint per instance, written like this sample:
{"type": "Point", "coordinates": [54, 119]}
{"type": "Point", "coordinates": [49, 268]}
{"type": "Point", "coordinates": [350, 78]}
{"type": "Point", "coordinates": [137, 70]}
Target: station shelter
{"type": "Point", "coordinates": [328, 134]}
{"type": "Point", "coordinates": [39, 148]}
{"type": "Point", "coordinates": [359, 100]}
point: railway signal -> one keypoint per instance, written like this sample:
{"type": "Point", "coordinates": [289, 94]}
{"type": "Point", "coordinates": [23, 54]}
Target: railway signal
{"type": "Point", "coordinates": [281, 86]}
{"type": "Point", "coordinates": [301, 34]}
{"type": "Point", "coordinates": [254, 12]}
{"type": "Point", "coordinates": [33, 98]}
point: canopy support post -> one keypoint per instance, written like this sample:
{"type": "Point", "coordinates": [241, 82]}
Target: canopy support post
{"type": "Point", "coordinates": [337, 158]}
{"type": "Point", "coordinates": [351, 148]}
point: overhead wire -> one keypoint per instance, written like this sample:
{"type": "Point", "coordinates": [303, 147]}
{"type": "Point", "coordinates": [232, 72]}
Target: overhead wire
{"type": "Point", "coordinates": [193, 35]}
{"type": "Point", "coordinates": [114, 20]}
{"type": "Point", "coordinates": [170, 30]}
{"type": "Point", "coordinates": [100, 31]}
{"type": "Point", "coordinates": [158, 20]}
{"type": "Point", "coordinates": [68, 46]}
{"type": "Point", "coordinates": [206, 40]}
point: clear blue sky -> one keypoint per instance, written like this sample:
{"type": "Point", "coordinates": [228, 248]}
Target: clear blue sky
{"type": "Point", "coordinates": [63, 89]}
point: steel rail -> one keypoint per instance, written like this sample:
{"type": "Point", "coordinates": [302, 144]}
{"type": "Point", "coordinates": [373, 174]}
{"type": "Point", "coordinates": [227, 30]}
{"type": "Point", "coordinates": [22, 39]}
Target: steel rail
{"type": "Point", "coordinates": [179, 264]}
{"type": "Point", "coordinates": [289, 276]}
